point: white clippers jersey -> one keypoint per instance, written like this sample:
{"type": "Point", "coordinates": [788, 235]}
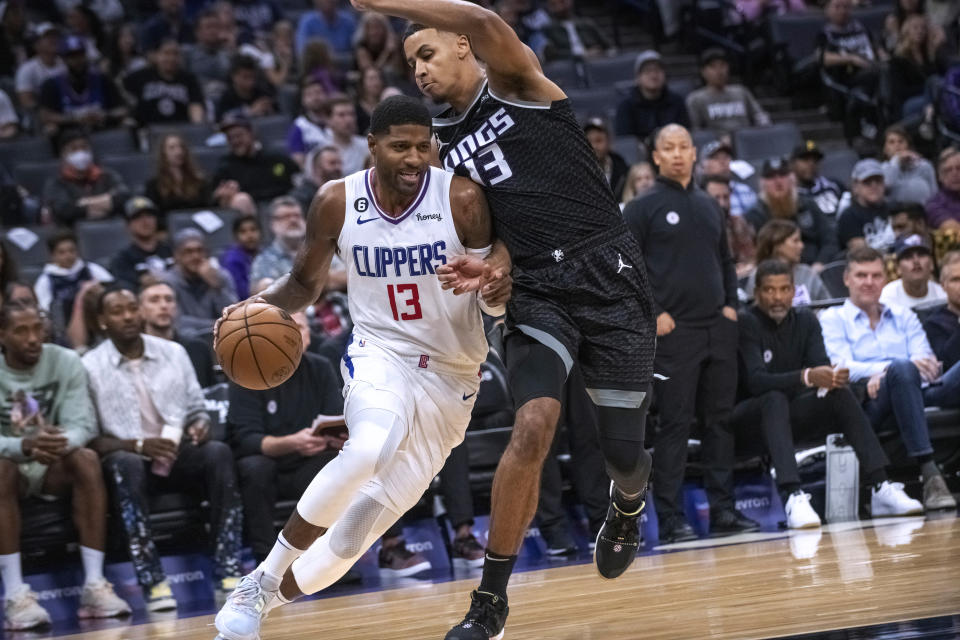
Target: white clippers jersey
{"type": "Point", "coordinates": [395, 297]}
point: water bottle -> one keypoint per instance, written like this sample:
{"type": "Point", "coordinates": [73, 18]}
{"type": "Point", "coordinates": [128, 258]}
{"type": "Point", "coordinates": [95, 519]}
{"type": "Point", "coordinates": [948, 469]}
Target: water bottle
{"type": "Point", "coordinates": [843, 480]}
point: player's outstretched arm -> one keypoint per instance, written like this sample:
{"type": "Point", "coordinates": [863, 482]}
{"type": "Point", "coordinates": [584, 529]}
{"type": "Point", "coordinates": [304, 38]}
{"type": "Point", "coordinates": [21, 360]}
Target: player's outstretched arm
{"type": "Point", "coordinates": [512, 67]}
{"type": "Point", "coordinates": [304, 284]}
{"type": "Point", "coordinates": [311, 268]}
{"type": "Point", "coordinates": [471, 272]}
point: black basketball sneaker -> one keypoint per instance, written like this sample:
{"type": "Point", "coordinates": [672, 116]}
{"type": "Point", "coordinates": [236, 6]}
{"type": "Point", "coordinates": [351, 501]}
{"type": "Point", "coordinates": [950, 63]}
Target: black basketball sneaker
{"type": "Point", "coordinates": [485, 620]}
{"type": "Point", "coordinates": [618, 539]}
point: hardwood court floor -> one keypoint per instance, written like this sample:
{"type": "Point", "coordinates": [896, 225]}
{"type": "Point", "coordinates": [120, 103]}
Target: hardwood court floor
{"type": "Point", "coordinates": [845, 576]}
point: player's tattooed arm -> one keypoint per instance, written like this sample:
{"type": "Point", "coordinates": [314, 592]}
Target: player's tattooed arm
{"type": "Point", "coordinates": [469, 272]}
{"type": "Point", "coordinates": [512, 68]}
{"type": "Point", "coordinates": [471, 215]}
{"type": "Point", "coordinates": [311, 268]}
{"type": "Point", "coordinates": [303, 285]}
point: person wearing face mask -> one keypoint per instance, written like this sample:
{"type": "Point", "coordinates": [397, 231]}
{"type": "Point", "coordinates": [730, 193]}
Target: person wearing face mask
{"type": "Point", "coordinates": [82, 190]}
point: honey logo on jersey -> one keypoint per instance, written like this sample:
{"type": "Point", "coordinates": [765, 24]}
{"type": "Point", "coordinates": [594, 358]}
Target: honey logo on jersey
{"type": "Point", "coordinates": [426, 217]}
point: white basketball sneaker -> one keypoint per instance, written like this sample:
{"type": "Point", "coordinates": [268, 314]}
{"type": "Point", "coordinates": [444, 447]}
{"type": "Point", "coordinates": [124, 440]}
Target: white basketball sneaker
{"type": "Point", "coordinates": [21, 611]}
{"type": "Point", "coordinates": [800, 515]}
{"type": "Point", "coordinates": [240, 617]}
{"type": "Point", "coordinates": [891, 500]}
{"type": "Point", "coordinates": [98, 600]}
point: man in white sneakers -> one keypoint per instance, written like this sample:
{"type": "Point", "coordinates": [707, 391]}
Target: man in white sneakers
{"type": "Point", "coordinates": [788, 387]}
{"type": "Point", "coordinates": [46, 420]}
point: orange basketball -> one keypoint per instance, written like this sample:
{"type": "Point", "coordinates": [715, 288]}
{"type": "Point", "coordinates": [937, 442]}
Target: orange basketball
{"type": "Point", "coordinates": [259, 346]}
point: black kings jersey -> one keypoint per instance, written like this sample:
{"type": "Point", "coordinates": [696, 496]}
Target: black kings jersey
{"type": "Point", "coordinates": [542, 180]}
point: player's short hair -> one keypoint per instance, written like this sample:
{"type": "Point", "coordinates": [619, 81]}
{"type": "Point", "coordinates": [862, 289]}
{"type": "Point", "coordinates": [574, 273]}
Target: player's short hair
{"type": "Point", "coordinates": [398, 110]}
{"type": "Point", "coordinates": [862, 255]}
{"type": "Point", "coordinates": [412, 28]}
{"type": "Point", "coordinates": [13, 306]}
{"type": "Point", "coordinates": [913, 210]}
{"type": "Point", "coordinates": [110, 289]}
{"type": "Point", "coordinates": [713, 178]}
{"type": "Point", "coordinates": [60, 236]}
{"type": "Point", "coordinates": [239, 221]}
{"type": "Point", "coordinates": [770, 268]}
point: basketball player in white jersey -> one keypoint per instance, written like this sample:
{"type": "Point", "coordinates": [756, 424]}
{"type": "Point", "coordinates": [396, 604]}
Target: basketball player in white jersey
{"type": "Point", "coordinates": [411, 369]}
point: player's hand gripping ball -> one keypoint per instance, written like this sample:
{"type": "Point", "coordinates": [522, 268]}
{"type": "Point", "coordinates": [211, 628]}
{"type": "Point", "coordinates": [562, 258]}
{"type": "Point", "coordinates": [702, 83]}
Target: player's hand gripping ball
{"type": "Point", "coordinates": [258, 345]}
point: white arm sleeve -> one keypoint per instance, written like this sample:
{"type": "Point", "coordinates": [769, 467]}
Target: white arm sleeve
{"type": "Point", "coordinates": [491, 310]}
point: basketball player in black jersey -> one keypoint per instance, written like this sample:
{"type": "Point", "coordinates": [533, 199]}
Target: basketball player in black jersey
{"type": "Point", "coordinates": [580, 292]}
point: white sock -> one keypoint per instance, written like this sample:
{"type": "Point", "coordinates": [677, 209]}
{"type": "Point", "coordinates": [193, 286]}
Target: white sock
{"type": "Point", "coordinates": [92, 564]}
{"type": "Point", "coordinates": [279, 560]}
{"type": "Point", "coordinates": [10, 572]}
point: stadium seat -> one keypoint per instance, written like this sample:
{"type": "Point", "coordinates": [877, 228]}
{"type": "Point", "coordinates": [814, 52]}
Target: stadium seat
{"type": "Point", "coordinates": [832, 276]}
{"type": "Point", "coordinates": [566, 73]}
{"type": "Point", "coordinates": [113, 142]}
{"type": "Point", "coordinates": [33, 175]}
{"type": "Point", "coordinates": [271, 128]}
{"type": "Point", "coordinates": [217, 239]}
{"type": "Point", "coordinates": [682, 86]}
{"type": "Point", "coordinates": [135, 169]}
{"type": "Point", "coordinates": [195, 135]}
{"type": "Point", "coordinates": [586, 103]}
{"type": "Point", "coordinates": [288, 99]}
{"type": "Point", "coordinates": [628, 148]}
{"type": "Point", "coordinates": [26, 150]}
{"type": "Point", "coordinates": [208, 158]}
{"type": "Point", "coordinates": [759, 143]}
{"type": "Point", "coordinates": [603, 72]}
{"type": "Point", "coordinates": [34, 255]}
{"type": "Point", "coordinates": [839, 164]}
{"type": "Point", "coordinates": [796, 36]}
{"type": "Point", "coordinates": [702, 137]}
{"type": "Point", "coordinates": [29, 273]}
{"type": "Point", "coordinates": [99, 240]}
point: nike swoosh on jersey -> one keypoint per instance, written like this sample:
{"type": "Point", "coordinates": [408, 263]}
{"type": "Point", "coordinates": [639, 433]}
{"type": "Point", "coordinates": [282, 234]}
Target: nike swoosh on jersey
{"type": "Point", "coordinates": [359, 221]}
{"type": "Point", "coordinates": [467, 397]}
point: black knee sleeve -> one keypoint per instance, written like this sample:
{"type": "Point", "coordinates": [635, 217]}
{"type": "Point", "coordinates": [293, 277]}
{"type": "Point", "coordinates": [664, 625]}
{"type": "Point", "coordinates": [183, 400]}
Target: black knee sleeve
{"type": "Point", "coordinates": [621, 442]}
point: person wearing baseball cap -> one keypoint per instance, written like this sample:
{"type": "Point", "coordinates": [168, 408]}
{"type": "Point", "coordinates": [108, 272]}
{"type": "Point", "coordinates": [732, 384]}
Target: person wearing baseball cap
{"type": "Point", "coordinates": [651, 104]}
{"type": "Point", "coordinates": [614, 167]}
{"type": "Point", "coordinates": [147, 253]}
{"type": "Point", "coordinates": [915, 264]}
{"type": "Point", "coordinates": [81, 96]}
{"type": "Point", "coordinates": [779, 200]}
{"type": "Point", "coordinates": [867, 220]}
{"type": "Point", "coordinates": [827, 193]}
{"type": "Point", "coordinates": [43, 65]}
{"type": "Point", "coordinates": [715, 159]}
{"type": "Point", "coordinates": [720, 106]}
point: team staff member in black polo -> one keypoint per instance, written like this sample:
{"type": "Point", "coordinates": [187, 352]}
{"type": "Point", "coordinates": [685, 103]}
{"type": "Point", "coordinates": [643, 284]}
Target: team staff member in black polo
{"type": "Point", "coordinates": [682, 233]}
{"type": "Point", "coordinates": [783, 364]}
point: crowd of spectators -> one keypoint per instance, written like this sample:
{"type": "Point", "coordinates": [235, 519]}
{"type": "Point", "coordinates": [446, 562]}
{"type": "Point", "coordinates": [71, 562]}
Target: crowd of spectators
{"type": "Point", "coordinates": [743, 343]}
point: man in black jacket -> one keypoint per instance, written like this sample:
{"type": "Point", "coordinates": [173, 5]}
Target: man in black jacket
{"type": "Point", "coordinates": [147, 254]}
{"type": "Point", "coordinates": [943, 325]}
{"type": "Point", "coordinates": [682, 233]}
{"type": "Point", "coordinates": [263, 174]}
{"type": "Point", "coordinates": [787, 386]}
{"type": "Point", "coordinates": [651, 104]}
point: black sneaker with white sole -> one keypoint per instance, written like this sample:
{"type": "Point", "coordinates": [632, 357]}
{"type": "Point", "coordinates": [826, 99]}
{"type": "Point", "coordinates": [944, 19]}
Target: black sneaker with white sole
{"type": "Point", "coordinates": [618, 540]}
{"type": "Point", "coordinates": [485, 620]}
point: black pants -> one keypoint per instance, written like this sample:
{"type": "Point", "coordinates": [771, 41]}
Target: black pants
{"type": "Point", "coordinates": [207, 470]}
{"type": "Point", "coordinates": [701, 369]}
{"type": "Point", "coordinates": [778, 418]}
{"type": "Point", "coordinates": [589, 476]}
{"type": "Point", "coordinates": [850, 109]}
{"type": "Point", "coordinates": [455, 486]}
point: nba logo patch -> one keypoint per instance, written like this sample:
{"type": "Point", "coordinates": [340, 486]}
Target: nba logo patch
{"type": "Point", "coordinates": [423, 362]}
{"type": "Point", "coordinates": [767, 356]}
{"type": "Point", "coordinates": [363, 342]}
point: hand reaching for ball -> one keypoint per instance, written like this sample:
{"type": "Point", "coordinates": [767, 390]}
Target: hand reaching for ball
{"type": "Point", "coordinates": [226, 313]}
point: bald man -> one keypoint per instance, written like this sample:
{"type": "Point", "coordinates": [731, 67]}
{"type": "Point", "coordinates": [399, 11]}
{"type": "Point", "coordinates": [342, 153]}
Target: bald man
{"type": "Point", "coordinates": [696, 301]}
